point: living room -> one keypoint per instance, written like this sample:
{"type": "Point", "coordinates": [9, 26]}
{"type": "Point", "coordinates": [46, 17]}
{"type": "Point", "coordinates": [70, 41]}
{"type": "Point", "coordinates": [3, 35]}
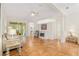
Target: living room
{"type": "Point", "coordinates": [51, 24]}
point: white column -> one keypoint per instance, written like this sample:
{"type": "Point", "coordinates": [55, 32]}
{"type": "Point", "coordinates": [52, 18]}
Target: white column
{"type": "Point", "coordinates": [2, 24]}
{"type": "Point", "coordinates": [0, 33]}
{"type": "Point", "coordinates": [63, 29]}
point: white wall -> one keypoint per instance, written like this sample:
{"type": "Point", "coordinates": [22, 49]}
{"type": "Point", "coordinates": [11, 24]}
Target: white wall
{"type": "Point", "coordinates": [72, 23]}
{"type": "Point", "coordinates": [0, 33]}
{"type": "Point", "coordinates": [54, 29]}
{"type": "Point", "coordinates": [71, 18]}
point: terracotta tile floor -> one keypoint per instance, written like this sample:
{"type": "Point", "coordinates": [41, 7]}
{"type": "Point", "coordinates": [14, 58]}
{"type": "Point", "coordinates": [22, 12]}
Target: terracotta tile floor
{"type": "Point", "coordinates": [39, 47]}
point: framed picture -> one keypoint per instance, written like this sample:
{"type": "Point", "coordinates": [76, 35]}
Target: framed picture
{"type": "Point", "coordinates": [43, 26]}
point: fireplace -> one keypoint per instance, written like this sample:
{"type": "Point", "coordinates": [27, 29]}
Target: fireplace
{"type": "Point", "coordinates": [42, 34]}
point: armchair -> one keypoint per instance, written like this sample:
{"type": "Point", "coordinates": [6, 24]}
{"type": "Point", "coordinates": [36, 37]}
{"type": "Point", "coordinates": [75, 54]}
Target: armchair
{"type": "Point", "coordinates": [11, 42]}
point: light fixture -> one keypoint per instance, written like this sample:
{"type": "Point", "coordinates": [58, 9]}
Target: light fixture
{"type": "Point", "coordinates": [34, 13]}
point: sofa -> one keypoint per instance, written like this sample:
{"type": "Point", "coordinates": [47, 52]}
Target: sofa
{"type": "Point", "coordinates": [72, 38]}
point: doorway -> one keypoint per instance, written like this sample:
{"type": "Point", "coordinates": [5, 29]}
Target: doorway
{"type": "Point", "coordinates": [18, 26]}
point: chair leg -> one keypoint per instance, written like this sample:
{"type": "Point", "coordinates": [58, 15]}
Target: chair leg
{"type": "Point", "coordinates": [19, 50]}
{"type": "Point", "coordinates": [7, 52]}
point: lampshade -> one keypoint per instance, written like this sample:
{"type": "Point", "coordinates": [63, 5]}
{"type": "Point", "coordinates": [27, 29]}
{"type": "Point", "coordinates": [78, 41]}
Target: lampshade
{"type": "Point", "coordinates": [12, 31]}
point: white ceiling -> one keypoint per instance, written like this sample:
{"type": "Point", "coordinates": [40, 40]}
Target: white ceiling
{"type": "Point", "coordinates": [24, 10]}
{"type": "Point", "coordinates": [67, 8]}
{"type": "Point", "coordinates": [45, 10]}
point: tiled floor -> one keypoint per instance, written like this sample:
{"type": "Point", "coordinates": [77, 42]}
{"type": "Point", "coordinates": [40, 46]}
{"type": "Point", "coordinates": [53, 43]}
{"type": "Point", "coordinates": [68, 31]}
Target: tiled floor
{"type": "Point", "coordinates": [39, 47]}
